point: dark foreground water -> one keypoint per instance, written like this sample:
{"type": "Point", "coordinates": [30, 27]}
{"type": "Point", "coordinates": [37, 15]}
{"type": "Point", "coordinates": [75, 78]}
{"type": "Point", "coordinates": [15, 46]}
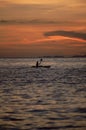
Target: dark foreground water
{"type": "Point", "coordinates": [41, 98]}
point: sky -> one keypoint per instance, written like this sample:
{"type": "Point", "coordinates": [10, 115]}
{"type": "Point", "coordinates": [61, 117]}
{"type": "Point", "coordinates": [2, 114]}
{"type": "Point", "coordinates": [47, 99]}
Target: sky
{"type": "Point", "coordinates": [31, 28]}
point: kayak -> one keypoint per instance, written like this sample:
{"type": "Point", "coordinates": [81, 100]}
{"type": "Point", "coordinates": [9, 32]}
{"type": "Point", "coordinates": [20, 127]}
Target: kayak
{"type": "Point", "coordinates": [47, 66]}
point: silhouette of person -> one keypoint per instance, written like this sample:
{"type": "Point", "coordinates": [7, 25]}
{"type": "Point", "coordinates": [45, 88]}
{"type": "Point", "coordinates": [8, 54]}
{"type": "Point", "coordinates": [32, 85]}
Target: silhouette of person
{"type": "Point", "coordinates": [37, 64]}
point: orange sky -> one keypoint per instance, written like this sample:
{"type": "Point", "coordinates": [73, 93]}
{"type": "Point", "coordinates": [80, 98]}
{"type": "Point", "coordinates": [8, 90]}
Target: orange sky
{"type": "Point", "coordinates": [23, 25]}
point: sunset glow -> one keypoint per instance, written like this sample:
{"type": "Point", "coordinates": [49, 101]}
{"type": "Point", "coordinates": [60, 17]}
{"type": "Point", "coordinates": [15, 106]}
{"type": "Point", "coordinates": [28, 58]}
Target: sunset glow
{"type": "Point", "coordinates": [23, 25]}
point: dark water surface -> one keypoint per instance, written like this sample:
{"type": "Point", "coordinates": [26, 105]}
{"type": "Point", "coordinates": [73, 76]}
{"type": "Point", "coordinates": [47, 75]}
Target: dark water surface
{"type": "Point", "coordinates": [41, 98]}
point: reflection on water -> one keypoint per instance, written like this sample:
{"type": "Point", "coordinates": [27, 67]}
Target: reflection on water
{"type": "Point", "coordinates": [40, 98]}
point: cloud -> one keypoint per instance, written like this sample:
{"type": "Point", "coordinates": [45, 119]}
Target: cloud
{"type": "Point", "coordinates": [10, 10]}
{"type": "Point", "coordinates": [81, 1]}
{"type": "Point", "coordinates": [32, 21]}
{"type": "Point", "coordinates": [35, 21]}
{"type": "Point", "coordinates": [70, 34]}
{"type": "Point", "coordinates": [73, 11]}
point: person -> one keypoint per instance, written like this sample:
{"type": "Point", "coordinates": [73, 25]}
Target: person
{"type": "Point", "coordinates": [37, 64]}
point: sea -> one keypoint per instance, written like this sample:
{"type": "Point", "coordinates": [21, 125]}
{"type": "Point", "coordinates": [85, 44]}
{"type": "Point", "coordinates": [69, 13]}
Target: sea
{"type": "Point", "coordinates": [43, 98]}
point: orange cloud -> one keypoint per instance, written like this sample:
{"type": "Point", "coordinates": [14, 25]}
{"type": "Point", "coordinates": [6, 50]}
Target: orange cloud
{"type": "Point", "coordinates": [29, 40]}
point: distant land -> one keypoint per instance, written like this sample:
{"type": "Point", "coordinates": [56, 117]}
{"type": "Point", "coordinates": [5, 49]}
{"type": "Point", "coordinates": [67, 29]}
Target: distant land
{"type": "Point", "coordinates": [82, 56]}
{"type": "Point", "coordinates": [74, 56]}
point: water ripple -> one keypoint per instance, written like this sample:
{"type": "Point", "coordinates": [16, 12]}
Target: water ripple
{"type": "Point", "coordinates": [43, 99]}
